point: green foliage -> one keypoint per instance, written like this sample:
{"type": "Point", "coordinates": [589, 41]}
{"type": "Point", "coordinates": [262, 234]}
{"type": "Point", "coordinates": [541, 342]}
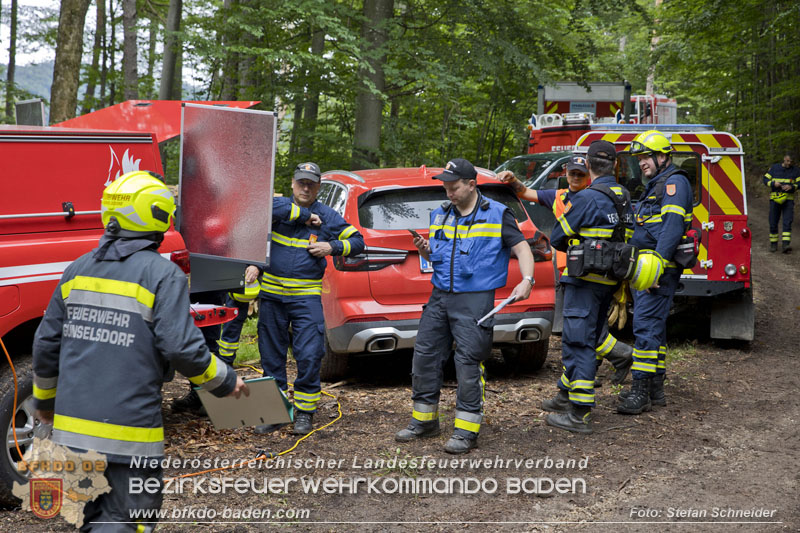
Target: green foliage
{"type": "Point", "coordinates": [248, 343]}
{"type": "Point", "coordinates": [462, 75]}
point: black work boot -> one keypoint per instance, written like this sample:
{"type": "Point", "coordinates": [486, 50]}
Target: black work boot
{"type": "Point", "coordinates": [577, 420]}
{"type": "Point", "coordinates": [638, 399]}
{"type": "Point", "coordinates": [418, 431]}
{"type": "Point", "coordinates": [773, 247]}
{"type": "Point", "coordinates": [657, 396]}
{"type": "Point", "coordinates": [621, 357]}
{"type": "Point", "coordinates": [559, 404]}
{"type": "Point", "coordinates": [458, 443]}
{"type": "Point", "coordinates": [786, 247]}
{"type": "Point", "coordinates": [303, 422]}
{"type": "Point", "coordinates": [189, 403]}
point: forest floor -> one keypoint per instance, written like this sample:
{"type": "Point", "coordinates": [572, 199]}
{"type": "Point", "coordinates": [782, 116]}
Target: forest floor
{"type": "Point", "coordinates": [727, 442]}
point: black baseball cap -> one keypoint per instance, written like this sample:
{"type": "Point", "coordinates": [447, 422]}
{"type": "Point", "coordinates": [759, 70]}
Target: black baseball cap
{"type": "Point", "coordinates": [307, 171]}
{"type": "Point", "coordinates": [577, 162]}
{"type": "Point", "coordinates": [602, 150]}
{"type": "Point", "coordinates": [457, 169]}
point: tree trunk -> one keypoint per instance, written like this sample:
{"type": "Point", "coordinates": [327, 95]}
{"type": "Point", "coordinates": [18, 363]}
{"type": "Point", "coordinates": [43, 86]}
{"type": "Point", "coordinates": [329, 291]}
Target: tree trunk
{"type": "Point", "coordinates": [12, 61]}
{"type": "Point", "coordinates": [112, 54]}
{"type": "Point", "coordinates": [369, 104]}
{"type": "Point", "coordinates": [311, 105]}
{"type": "Point", "coordinates": [171, 50]}
{"type": "Point", "coordinates": [248, 85]}
{"type": "Point", "coordinates": [230, 63]}
{"type": "Point", "coordinates": [104, 40]}
{"type": "Point", "coordinates": [130, 51]}
{"type": "Point", "coordinates": [151, 57]}
{"type": "Point", "coordinates": [651, 71]}
{"type": "Point", "coordinates": [66, 72]}
{"type": "Point", "coordinates": [94, 72]}
{"type": "Point", "coordinates": [297, 119]}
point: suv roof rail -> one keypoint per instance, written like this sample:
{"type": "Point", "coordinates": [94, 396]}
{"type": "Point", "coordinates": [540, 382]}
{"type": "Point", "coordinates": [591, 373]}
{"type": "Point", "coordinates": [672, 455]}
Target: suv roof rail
{"type": "Point", "coordinates": [344, 173]}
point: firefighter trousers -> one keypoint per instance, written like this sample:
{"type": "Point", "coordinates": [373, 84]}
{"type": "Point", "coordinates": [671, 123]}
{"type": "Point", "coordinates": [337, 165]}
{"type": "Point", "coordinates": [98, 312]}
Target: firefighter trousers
{"type": "Point", "coordinates": [650, 312]}
{"type": "Point", "coordinates": [776, 211]}
{"type": "Point", "coordinates": [585, 316]}
{"type": "Point", "coordinates": [115, 508]}
{"type": "Point", "coordinates": [452, 317]}
{"type": "Point", "coordinates": [304, 315]}
{"type": "Point", "coordinates": [232, 331]}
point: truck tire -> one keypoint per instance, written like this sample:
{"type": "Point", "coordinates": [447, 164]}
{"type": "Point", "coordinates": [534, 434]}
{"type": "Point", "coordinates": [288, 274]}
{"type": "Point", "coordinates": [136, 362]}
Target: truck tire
{"type": "Point", "coordinates": [527, 357]}
{"type": "Point", "coordinates": [22, 421]}
{"type": "Point", "coordinates": [334, 365]}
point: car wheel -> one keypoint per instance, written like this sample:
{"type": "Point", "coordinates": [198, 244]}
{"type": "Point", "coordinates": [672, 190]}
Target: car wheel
{"type": "Point", "coordinates": [527, 357]}
{"type": "Point", "coordinates": [334, 365]}
{"type": "Point", "coordinates": [21, 423]}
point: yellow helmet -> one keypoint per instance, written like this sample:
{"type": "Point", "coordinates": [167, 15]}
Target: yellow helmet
{"type": "Point", "coordinates": [250, 293]}
{"type": "Point", "coordinates": [649, 142]}
{"type": "Point", "coordinates": [649, 268]}
{"type": "Point", "coordinates": [140, 202]}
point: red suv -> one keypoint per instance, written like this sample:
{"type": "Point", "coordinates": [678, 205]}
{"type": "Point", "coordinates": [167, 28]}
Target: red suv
{"type": "Point", "coordinates": [373, 301]}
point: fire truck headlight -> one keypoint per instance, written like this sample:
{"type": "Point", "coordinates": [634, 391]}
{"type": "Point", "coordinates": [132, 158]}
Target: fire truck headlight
{"type": "Point", "coordinates": [730, 270]}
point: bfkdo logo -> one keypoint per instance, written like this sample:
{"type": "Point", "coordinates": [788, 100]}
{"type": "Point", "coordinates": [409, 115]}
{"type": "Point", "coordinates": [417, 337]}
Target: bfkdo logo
{"type": "Point", "coordinates": [46, 497]}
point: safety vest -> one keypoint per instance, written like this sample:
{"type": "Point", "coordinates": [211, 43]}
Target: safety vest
{"type": "Point", "coordinates": [559, 204]}
{"type": "Point", "coordinates": [112, 330]}
{"type": "Point", "coordinates": [467, 252]}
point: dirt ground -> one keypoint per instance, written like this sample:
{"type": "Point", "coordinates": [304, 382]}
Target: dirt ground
{"type": "Point", "coordinates": [727, 441]}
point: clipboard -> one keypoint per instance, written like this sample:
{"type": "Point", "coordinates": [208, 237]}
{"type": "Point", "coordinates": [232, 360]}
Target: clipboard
{"type": "Point", "coordinates": [267, 404]}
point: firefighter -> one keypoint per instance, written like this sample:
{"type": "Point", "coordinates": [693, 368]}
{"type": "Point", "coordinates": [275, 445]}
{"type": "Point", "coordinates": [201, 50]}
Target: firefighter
{"type": "Point", "coordinates": [591, 214]}
{"type": "Point", "coordinates": [663, 214]}
{"type": "Point", "coordinates": [782, 180]}
{"type": "Point", "coordinates": [618, 353]}
{"type": "Point", "coordinates": [232, 331]}
{"type": "Point", "coordinates": [304, 231]}
{"type": "Point", "coordinates": [471, 238]}
{"type": "Point", "coordinates": [118, 320]}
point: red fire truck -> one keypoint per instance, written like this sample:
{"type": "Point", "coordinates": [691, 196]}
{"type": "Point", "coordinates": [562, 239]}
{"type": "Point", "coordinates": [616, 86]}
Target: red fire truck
{"type": "Point", "coordinates": [566, 110]}
{"type": "Point", "coordinates": [53, 179]}
{"type": "Point", "coordinates": [720, 285]}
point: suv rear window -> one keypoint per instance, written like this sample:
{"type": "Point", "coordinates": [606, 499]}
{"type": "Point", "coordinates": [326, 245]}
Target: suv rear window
{"type": "Point", "coordinates": [411, 208]}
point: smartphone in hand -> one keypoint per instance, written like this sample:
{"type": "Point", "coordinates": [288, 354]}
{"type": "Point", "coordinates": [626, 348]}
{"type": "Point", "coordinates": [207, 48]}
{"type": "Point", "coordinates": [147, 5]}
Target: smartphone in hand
{"type": "Point", "coordinates": [415, 234]}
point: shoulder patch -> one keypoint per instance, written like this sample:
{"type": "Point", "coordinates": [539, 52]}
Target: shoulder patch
{"type": "Point", "coordinates": [671, 189]}
{"type": "Point", "coordinates": [567, 207]}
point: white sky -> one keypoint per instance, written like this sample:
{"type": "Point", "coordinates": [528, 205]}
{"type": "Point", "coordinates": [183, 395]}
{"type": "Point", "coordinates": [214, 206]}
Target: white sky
{"type": "Point", "coordinates": [44, 54]}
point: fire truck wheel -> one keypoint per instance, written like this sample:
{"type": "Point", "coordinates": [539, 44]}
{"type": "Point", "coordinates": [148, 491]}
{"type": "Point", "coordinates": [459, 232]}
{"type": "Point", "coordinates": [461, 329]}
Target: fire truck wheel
{"type": "Point", "coordinates": [334, 365]}
{"type": "Point", "coordinates": [527, 357]}
{"type": "Point", "coordinates": [22, 425]}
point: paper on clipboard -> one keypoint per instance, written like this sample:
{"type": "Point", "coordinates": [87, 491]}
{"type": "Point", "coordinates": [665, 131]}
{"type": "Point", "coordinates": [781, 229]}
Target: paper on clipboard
{"type": "Point", "coordinates": [497, 308]}
{"type": "Point", "coordinates": [267, 404]}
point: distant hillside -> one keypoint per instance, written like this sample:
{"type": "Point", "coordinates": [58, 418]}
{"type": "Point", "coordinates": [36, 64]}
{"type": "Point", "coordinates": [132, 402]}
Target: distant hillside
{"type": "Point", "coordinates": [35, 79]}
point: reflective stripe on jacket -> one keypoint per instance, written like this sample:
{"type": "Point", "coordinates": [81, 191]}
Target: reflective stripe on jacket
{"type": "Point", "coordinates": [101, 353]}
{"type": "Point", "coordinates": [778, 176]}
{"type": "Point", "coordinates": [661, 222]}
{"type": "Point", "coordinates": [293, 271]}
{"type": "Point", "coordinates": [590, 214]}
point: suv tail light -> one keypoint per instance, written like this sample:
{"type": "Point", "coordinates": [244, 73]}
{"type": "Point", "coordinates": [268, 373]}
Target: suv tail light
{"type": "Point", "coordinates": [181, 258]}
{"type": "Point", "coordinates": [372, 258]}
